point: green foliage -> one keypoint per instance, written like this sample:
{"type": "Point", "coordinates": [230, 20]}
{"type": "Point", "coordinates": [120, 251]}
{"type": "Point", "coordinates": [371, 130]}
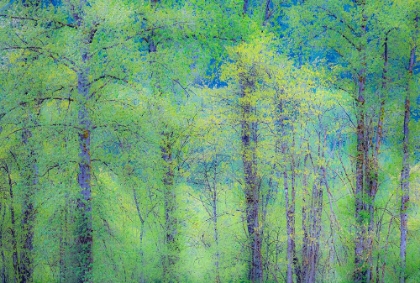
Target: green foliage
{"type": "Point", "coordinates": [167, 82]}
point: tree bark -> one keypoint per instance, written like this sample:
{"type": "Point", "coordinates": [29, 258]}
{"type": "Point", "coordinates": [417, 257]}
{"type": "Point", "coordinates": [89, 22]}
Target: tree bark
{"type": "Point", "coordinates": [28, 222]}
{"type": "Point", "coordinates": [63, 243]}
{"type": "Point", "coordinates": [267, 12]}
{"type": "Point", "coordinates": [30, 177]}
{"type": "Point", "coordinates": [289, 225]}
{"type": "Point", "coordinates": [305, 240]}
{"type": "Point", "coordinates": [245, 7]}
{"type": "Point", "coordinates": [171, 222]}
{"type": "Point", "coordinates": [372, 168]}
{"type": "Point", "coordinates": [405, 172]}
{"type": "Point", "coordinates": [296, 264]}
{"type": "Point", "coordinates": [84, 228]}
{"type": "Point", "coordinates": [3, 275]}
{"type": "Point", "coordinates": [214, 199]}
{"type": "Point", "coordinates": [15, 258]}
{"type": "Point", "coordinates": [249, 131]}
{"type": "Point", "coordinates": [361, 253]}
{"type": "Point", "coordinates": [360, 256]}
{"type": "Point", "coordinates": [315, 214]}
{"type": "Point", "coordinates": [142, 221]}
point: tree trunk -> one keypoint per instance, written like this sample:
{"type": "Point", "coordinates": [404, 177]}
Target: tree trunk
{"type": "Point", "coordinates": [63, 243]}
{"type": "Point", "coordinates": [214, 199]}
{"type": "Point", "coordinates": [267, 12]}
{"type": "Point", "coordinates": [84, 205]}
{"type": "Point", "coordinates": [30, 177]}
{"type": "Point", "coordinates": [28, 221]}
{"type": "Point", "coordinates": [84, 240]}
{"type": "Point", "coordinates": [405, 172]}
{"type": "Point", "coordinates": [15, 258]}
{"type": "Point", "coordinates": [315, 215]}
{"type": "Point", "coordinates": [249, 131]}
{"type": "Point", "coordinates": [296, 264]}
{"type": "Point", "coordinates": [361, 253]}
{"type": "Point", "coordinates": [372, 168]}
{"type": "Point", "coordinates": [141, 219]}
{"type": "Point", "coordinates": [245, 7]}
{"type": "Point", "coordinates": [289, 273]}
{"type": "Point", "coordinates": [171, 222]}
{"type": "Point", "coordinates": [3, 275]}
{"type": "Point", "coordinates": [305, 240]}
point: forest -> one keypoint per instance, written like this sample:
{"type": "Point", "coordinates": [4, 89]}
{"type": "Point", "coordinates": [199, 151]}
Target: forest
{"type": "Point", "coordinates": [210, 141]}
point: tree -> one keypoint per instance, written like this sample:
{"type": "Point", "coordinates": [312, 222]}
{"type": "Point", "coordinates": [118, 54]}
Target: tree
{"type": "Point", "coordinates": [405, 172]}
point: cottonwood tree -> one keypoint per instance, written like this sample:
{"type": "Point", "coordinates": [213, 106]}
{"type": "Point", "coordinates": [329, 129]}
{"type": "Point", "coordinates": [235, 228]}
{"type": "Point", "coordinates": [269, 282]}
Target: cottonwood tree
{"type": "Point", "coordinates": [353, 39]}
{"type": "Point", "coordinates": [413, 28]}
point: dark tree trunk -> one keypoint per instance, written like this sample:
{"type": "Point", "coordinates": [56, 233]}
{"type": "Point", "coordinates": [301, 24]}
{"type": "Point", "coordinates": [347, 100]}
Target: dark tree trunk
{"type": "Point", "coordinates": [30, 177]}
{"type": "Point", "coordinates": [84, 206]}
{"type": "Point", "coordinates": [289, 225]}
{"type": "Point", "coordinates": [142, 221]}
{"type": "Point", "coordinates": [63, 243]}
{"type": "Point", "coordinates": [249, 131]}
{"type": "Point", "coordinates": [372, 168]}
{"type": "Point", "coordinates": [84, 230]}
{"type": "Point", "coordinates": [3, 275]}
{"type": "Point", "coordinates": [405, 172]}
{"type": "Point", "coordinates": [312, 220]}
{"type": "Point", "coordinates": [314, 232]}
{"type": "Point", "coordinates": [14, 242]}
{"type": "Point", "coordinates": [267, 12]}
{"type": "Point", "coordinates": [361, 253]}
{"type": "Point", "coordinates": [245, 7]}
{"type": "Point", "coordinates": [316, 211]}
{"type": "Point", "coordinates": [28, 221]}
{"type": "Point", "coordinates": [296, 264]}
{"type": "Point", "coordinates": [171, 222]}
{"type": "Point", "coordinates": [305, 240]}
{"type": "Point", "coordinates": [214, 199]}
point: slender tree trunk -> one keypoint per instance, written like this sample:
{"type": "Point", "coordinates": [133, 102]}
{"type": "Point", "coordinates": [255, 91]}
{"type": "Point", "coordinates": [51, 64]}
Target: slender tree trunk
{"type": "Point", "coordinates": [3, 275]}
{"type": "Point", "coordinates": [30, 177]}
{"type": "Point", "coordinates": [15, 258]}
{"type": "Point", "coordinates": [63, 242]}
{"type": "Point", "coordinates": [267, 12]}
{"type": "Point", "coordinates": [171, 222]}
{"type": "Point", "coordinates": [249, 129]}
{"type": "Point", "coordinates": [372, 168]}
{"type": "Point", "coordinates": [141, 219]}
{"type": "Point", "coordinates": [84, 228]}
{"type": "Point", "coordinates": [379, 131]}
{"type": "Point", "coordinates": [360, 265]}
{"type": "Point", "coordinates": [405, 172]}
{"type": "Point", "coordinates": [296, 264]}
{"type": "Point", "coordinates": [28, 221]}
{"type": "Point", "coordinates": [84, 205]}
{"type": "Point", "coordinates": [290, 199]}
{"type": "Point", "coordinates": [289, 225]}
{"type": "Point", "coordinates": [214, 203]}
{"type": "Point", "coordinates": [305, 240]}
{"type": "Point", "coordinates": [245, 7]}
{"type": "Point", "coordinates": [315, 230]}
{"type": "Point", "coordinates": [361, 253]}
{"type": "Point", "coordinates": [216, 234]}
{"type": "Point", "coordinates": [315, 215]}
{"type": "Point", "coordinates": [312, 226]}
